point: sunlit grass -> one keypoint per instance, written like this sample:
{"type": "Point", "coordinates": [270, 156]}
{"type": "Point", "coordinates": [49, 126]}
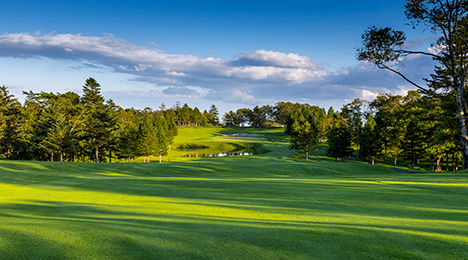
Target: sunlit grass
{"type": "Point", "coordinates": [266, 206]}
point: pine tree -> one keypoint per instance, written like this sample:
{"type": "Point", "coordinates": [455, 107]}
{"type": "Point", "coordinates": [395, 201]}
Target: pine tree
{"type": "Point", "coordinates": [413, 143]}
{"type": "Point", "coordinates": [370, 145]}
{"type": "Point", "coordinates": [56, 128]}
{"type": "Point", "coordinates": [162, 140]}
{"type": "Point", "coordinates": [307, 138]}
{"type": "Point", "coordinates": [101, 121]}
{"type": "Point", "coordinates": [214, 116]}
{"type": "Point", "coordinates": [148, 137]}
{"type": "Point", "coordinates": [340, 141]}
{"type": "Point", "coordinates": [10, 121]}
{"type": "Point", "coordinates": [128, 143]}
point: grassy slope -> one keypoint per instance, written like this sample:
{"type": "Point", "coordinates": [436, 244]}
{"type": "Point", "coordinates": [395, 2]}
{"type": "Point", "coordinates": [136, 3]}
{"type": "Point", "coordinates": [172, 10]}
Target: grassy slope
{"type": "Point", "coordinates": [268, 206]}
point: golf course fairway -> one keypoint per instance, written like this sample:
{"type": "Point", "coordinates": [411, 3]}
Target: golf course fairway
{"type": "Point", "coordinates": [270, 205]}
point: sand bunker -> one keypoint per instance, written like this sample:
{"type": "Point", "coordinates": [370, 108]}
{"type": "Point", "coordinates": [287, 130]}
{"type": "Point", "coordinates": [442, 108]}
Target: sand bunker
{"type": "Point", "coordinates": [242, 135]}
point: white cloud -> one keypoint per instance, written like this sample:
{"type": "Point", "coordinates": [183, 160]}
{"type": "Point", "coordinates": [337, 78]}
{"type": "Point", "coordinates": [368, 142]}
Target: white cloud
{"type": "Point", "coordinates": [365, 94]}
{"type": "Point", "coordinates": [414, 43]}
{"type": "Point", "coordinates": [247, 79]}
{"type": "Point", "coordinates": [278, 59]}
{"type": "Point", "coordinates": [180, 91]}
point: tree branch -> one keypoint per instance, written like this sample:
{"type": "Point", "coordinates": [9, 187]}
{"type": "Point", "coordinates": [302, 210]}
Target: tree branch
{"type": "Point", "coordinates": [418, 52]}
{"type": "Point", "coordinates": [430, 92]}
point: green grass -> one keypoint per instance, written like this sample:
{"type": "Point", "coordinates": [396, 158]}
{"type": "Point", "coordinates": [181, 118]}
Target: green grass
{"type": "Point", "coordinates": [266, 206]}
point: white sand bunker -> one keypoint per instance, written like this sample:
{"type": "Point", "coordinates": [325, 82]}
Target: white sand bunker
{"type": "Point", "coordinates": [242, 135]}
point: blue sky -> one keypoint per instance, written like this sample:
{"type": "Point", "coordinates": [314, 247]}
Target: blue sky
{"type": "Point", "coordinates": [229, 53]}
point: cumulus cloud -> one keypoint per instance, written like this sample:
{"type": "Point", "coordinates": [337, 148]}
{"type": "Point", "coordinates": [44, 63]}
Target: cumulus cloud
{"type": "Point", "coordinates": [181, 91]}
{"type": "Point", "coordinates": [247, 79]}
{"type": "Point", "coordinates": [232, 96]}
{"type": "Point", "coordinates": [415, 43]}
{"type": "Point", "coordinates": [277, 59]}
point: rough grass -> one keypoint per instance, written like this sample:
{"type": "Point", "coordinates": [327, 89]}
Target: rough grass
{"type": "Point", "coordinates": [267, 206]}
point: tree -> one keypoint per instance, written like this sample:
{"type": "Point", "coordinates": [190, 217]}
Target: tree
{"type": "Point", "coordinates": [148, 138]}
{"type": "Point", "coordinates": [101, 121]}
{"type": "Point", "coordinates": [162, 134]}
{"type": "Point", "coordinates": [128, 145]}
{"type": "Point", "coordinates": [370, 145]}
{"type": "Point", "coordinates": [388, 118]}
{"type": "Point", "coordinates": [302, 130]}
{"type": "Point", "coordinates": [10, 120]}
{"type": "Point", "coordinates": [307, 138]}
{"type": "Point", "coordinates": [413, 144]}
{"type": "Point", "coordinates": [340, 141]}
{"type": "Point", "coordinates": [282, 111]}
{"type": "Point", "coordinates": [229, 118]}
{"type": "Point", "coordinates": [172, 131]}
{"type": "Point", "coordinates": [242, 115]}
{"type": "Point", "coordinates": [57, 130]}
{"type": "Point", "coordinates": [353, 113]}
{"type": "Point", "coordinates": [213, 119]}
{"type": "Point", "coordinates": [198, 118]}
{"type": "Point", "coordinates": [449, 21]}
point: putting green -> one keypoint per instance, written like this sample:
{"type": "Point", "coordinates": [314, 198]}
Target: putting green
{"type": "Point", "coordinates": [266, 206]}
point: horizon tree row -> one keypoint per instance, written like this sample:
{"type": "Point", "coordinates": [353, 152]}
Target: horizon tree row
{"type": "Point", "coordinates": [67, 127]}
{"type": "Point", "coordinates": [186, 116]}
{"type": "Point", "coordinates": [412, 127]}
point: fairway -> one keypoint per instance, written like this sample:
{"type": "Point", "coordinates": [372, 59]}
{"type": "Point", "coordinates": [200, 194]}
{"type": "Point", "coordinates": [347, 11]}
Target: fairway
{"type": "Point", "coordinates": [265, 206]}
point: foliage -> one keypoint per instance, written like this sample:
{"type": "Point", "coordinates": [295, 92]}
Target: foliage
{"type": "Point", "coordinates": [448, 20]}
{"type": "Point", "coordinates": [339, 141]}
{"type": "Point", "coordinates": [60, 127]}
{"type": "Point", "coordinates": [305, 126]}
{"type": "Point", "coordinates": [370, 145]}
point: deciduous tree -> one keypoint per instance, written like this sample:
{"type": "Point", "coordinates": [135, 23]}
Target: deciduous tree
{"type": "Point", "coordinates": [449, 21]}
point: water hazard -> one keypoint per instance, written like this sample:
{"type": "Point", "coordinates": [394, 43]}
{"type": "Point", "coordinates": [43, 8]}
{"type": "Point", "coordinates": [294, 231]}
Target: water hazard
{"type": "Point", "coordinates": [216, 154]}
{"type": "Point", "coordinates": [220, 149]}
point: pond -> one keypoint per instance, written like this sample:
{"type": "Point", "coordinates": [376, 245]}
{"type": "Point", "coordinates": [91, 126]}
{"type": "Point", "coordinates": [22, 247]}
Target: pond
{"type": "Point", "coordinates": [220, 149]}
{"type": "Point", "coordinates": [216, 154]}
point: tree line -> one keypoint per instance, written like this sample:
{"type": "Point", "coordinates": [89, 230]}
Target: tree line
{"type": "Point", "coordinates": [448, 20]}
{"type": "Point", "coordinates": [88, 128]}
{"type": "Point", "coordinates": [69, 127]}
{"type": "Point", "coordinates": [411, 127]}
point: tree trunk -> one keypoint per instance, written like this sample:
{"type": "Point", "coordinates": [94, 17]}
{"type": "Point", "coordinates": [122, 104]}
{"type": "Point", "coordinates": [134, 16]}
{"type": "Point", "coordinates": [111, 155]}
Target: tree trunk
{"type": "Point", "coordinates": [394, 162]}
{"type": "Point", "coordinates": [96, 155]}
{"type": "Point", "coordinates": [385, 156]}
{"type": "Point", "coordinates": [110, 156]}
{"type": "Point", "coordinates": [52, 156]}
{"type": "Point", "coordinates": [432, 163]}
{"type": "Point", "coordinates": [453, 162]}
{"type": "Point", "coordinates": [447, 162]}
{"type": "Point", "coordinates": [159, 158]}
{"type": "Point", "coordinates": [438, 163]}
{"type": "Point", "coordinates": [461, 117]}
{"type": "Point", "coordinates": [307, 155]}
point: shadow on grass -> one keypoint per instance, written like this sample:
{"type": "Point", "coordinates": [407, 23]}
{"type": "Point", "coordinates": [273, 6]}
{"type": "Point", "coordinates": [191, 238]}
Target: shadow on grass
{"type": "Point", "coordinates": [58, 230]}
